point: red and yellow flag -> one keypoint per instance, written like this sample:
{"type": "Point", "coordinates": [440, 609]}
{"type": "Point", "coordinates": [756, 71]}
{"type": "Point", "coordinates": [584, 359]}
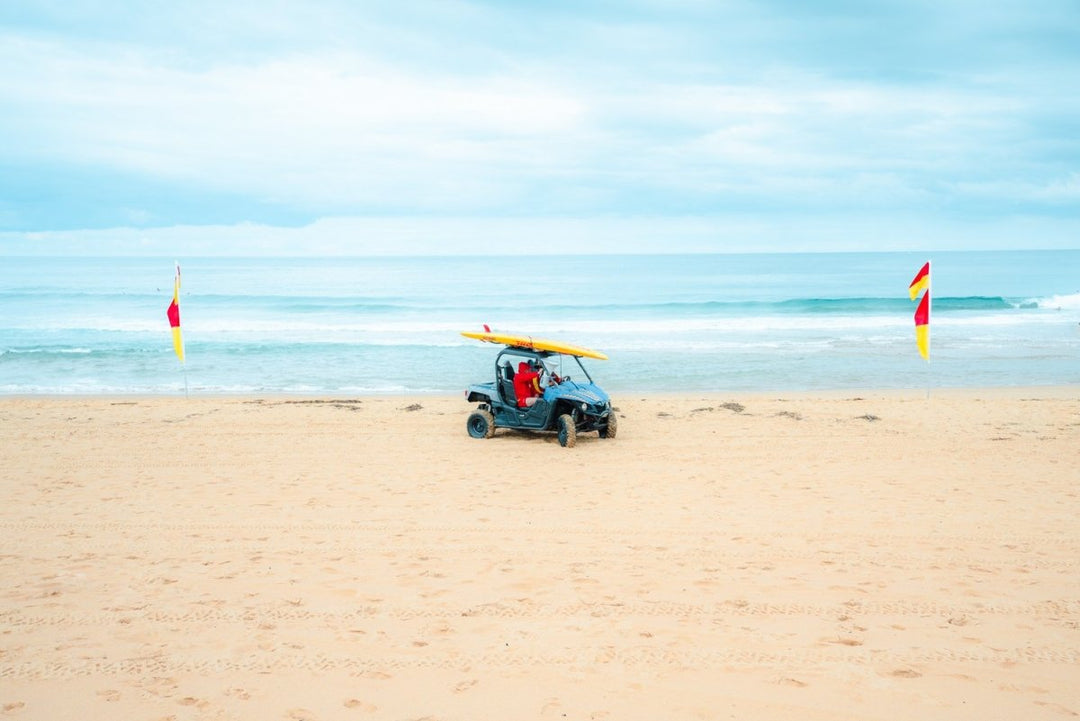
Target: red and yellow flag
{"type": "Point", "coordinates": [922, 313]}
{"type": "Point", "coordinates": [174, 317]}
{"type": "Point", "coordinates": [921, 282]}
{"type": "Point", "coordinates": [922, 326]}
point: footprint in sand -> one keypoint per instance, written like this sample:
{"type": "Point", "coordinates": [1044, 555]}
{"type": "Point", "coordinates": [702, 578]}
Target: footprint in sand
{"type": "Point", "coordinates": [844, 641]}
{"type": "Point", "coordinates": [465, 685]}
{"type": "Point", "coordinates": [552, 707]}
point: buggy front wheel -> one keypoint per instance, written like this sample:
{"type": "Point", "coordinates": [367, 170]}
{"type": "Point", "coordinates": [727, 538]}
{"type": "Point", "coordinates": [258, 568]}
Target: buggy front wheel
{"type": "Point", "coordinates": [611, 427]}
{"type": "Point", "coordinates": [567, 431]}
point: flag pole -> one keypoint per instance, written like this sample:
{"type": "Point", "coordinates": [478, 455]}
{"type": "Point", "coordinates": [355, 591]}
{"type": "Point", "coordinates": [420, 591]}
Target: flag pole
{"type": "Point", "coordinates": [183, 358]}
{"type": "Point", "coordinates": [173, 314]}
{"type": "Point", "coordinates": [921, 283]}
{"type": "Point", "coordinates": [929, 316]}
{"type": "Point", "coordinates": [183, 350]}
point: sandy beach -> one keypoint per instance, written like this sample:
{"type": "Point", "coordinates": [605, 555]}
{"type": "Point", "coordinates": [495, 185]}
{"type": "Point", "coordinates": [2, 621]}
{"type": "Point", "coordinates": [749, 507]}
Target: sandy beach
{"type": "Point", "coordinates": [836, 556]}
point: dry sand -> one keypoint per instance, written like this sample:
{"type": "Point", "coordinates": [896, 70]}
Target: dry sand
{"type": "Point", "coordinates": [749, 557]}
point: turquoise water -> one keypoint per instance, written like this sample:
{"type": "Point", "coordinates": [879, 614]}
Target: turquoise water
{"type": "Point", "coordinates": [669, 323]}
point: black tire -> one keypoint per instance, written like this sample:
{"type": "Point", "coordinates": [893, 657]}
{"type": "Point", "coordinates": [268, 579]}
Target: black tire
{"type": "Point", "coordinates": [567, 431]}
{"type": "Point", "coordinates": [481, 424]}
{"type": "Point", "coordinates": [611, 428]}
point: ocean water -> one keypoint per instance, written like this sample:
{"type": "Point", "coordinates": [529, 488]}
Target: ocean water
{"type": "Point", "coordinates": [702, 323]}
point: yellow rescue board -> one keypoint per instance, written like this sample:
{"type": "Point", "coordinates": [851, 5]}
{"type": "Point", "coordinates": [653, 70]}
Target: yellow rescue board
{"type": "Point", "coordinates": [527, 341]}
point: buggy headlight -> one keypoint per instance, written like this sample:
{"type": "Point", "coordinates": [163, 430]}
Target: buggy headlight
{"type": "Point", "coordinates": [584, 406]}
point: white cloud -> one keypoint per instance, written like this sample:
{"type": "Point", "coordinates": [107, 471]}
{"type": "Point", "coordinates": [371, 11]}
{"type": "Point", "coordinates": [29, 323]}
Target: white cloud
{"type": "Point", "coordinates": [1066, 189]}
{"type": "Point", "coordinates": [1061, 191]}
{"type": "Point", "coordinates": [335, 129]}
{"type": "Point", "coordinates": [557, 235]}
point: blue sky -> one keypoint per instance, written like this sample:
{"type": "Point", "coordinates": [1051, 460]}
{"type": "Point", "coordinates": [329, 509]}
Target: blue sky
{"type": "Point", "coordinates": [418, 127]}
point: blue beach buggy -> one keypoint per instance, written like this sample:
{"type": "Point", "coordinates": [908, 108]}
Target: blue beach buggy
{"type": "Point", "coordinates": [558, 403]}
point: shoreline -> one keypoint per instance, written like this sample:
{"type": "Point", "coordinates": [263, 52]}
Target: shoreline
{"type": "Point", "coordinates": [1051, 390]}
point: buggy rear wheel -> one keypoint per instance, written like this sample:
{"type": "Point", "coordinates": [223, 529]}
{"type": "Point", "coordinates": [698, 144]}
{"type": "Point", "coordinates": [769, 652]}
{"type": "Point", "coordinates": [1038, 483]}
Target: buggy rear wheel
{"type": "Point", "coordinates": [481, 424]}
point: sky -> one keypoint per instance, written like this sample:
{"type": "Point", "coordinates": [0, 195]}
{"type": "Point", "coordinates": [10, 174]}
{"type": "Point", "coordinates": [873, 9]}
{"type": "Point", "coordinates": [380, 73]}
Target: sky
{"type": "Point", "coordinates": [205, 127]}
